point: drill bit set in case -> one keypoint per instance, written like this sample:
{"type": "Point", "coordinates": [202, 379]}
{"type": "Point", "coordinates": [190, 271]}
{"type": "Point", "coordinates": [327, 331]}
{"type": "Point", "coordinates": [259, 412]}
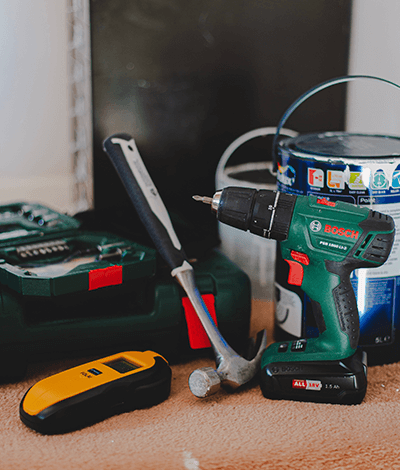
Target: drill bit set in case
{"type": "Point", "coordinates": [67, 291]}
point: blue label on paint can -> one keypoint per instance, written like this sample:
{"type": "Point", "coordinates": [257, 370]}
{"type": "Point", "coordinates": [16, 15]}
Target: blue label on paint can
{"type": "Point", "coordinates": [369, 182]}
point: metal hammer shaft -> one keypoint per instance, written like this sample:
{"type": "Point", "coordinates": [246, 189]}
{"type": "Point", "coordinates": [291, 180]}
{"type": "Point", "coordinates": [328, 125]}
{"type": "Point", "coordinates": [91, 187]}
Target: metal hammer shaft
{"type": "Point", "coordinates": [121, 148]}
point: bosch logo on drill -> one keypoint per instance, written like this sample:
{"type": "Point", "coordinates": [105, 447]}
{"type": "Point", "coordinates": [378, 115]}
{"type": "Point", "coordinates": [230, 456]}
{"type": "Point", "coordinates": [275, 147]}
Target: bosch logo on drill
{"type": "Point", "coordinates": [342, 232]}
{"type": "Point", "coordinates": [315, 226]}
{"type": "Point", "coordinates": [307, 384]}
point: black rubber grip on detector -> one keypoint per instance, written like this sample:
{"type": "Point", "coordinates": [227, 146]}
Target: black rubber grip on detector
{"type": "Point", "coordinates": [153, 221]}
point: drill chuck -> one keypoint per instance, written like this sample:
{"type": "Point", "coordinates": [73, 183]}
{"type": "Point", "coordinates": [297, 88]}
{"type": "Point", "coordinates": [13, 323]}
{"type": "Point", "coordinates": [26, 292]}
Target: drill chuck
{"type": "Point", "coordinates": [266, 213]}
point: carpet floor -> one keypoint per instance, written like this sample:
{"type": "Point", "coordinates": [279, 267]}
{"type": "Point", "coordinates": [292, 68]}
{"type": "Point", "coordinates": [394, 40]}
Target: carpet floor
{"type": "Point", "coordinates": [234, 431]}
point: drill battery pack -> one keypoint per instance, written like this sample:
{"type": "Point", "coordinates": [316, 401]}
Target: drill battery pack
{"type": "Point", "coordinates": [67, 291]}
{"type": "Point", "coordinates": [338, 382]}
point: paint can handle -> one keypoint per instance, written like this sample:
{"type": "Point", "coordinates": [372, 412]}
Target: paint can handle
{"type": "Point", "coordinates": [260, 132]}
{"type": "Point", "coordinates": [308, 94]}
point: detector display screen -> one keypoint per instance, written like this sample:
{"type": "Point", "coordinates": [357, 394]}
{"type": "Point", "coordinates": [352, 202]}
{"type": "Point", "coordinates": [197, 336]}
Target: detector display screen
{"type": "Point", "coordinates": [122, 365]}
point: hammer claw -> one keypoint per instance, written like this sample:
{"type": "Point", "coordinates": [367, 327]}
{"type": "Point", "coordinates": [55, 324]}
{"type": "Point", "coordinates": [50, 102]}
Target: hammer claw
{"type": "Point", "coordinates": [232, 369]}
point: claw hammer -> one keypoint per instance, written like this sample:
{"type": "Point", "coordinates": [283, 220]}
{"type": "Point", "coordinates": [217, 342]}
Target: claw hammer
{"type": "Point", "coordinates": [232, 370]}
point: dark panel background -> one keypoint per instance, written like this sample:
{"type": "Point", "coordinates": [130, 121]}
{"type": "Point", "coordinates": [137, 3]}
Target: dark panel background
{"type": "Point", "coordinates": [187, 77]}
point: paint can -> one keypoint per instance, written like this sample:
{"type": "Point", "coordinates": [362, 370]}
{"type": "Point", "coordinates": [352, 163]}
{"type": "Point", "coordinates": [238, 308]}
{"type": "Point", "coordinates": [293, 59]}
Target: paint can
{"type": "Point", "coordinates": [253, 254]}
{"type": "Point", "coordinates": [362, 169]}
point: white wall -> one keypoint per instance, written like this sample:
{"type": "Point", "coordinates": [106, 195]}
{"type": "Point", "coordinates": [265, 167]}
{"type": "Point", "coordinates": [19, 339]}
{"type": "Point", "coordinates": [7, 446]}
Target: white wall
{"type": "Point", "coordinates": [34, 137]}
{"type": "Point", "coordinates": [375, 50]}
{"type": "Point", "coordinates": [35, 163]}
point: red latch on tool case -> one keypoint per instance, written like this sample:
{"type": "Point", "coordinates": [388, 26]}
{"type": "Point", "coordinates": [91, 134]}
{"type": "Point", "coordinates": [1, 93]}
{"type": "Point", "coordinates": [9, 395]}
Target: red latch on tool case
{"type": "Point", "coordinates": [198, 338]}
{"type": "Point", "coordinates": [111, 276]}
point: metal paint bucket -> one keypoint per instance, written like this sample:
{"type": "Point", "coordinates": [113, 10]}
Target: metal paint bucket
{"type": "Point", "coordinates": [362, 169]}
{"type": "Point", "coordinates": [253, 254]}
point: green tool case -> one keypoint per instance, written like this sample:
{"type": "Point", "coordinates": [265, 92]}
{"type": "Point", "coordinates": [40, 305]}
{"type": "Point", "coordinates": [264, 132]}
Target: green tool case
{"type": "Point", "coordinates": [68, 292]}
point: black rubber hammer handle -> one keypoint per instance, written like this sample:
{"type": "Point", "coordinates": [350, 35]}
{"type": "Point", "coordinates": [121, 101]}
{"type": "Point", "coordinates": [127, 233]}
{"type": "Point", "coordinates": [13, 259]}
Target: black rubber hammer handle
{"type": "Point", "coordinates": [124, 155]}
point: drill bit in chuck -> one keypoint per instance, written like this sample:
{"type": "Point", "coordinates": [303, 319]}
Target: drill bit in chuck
{"type": "Point", "coordinates": [204, 199]}
{"type": "Point", "coordinates": [213, 201]}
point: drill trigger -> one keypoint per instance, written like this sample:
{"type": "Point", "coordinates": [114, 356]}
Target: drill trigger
{"type": "Point", "coordinates": [296, 273]}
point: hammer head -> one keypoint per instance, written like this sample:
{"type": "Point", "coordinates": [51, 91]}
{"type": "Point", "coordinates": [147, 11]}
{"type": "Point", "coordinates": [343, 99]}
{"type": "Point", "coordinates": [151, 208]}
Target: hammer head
{"type": "Point", "coordinates": [232, 371]}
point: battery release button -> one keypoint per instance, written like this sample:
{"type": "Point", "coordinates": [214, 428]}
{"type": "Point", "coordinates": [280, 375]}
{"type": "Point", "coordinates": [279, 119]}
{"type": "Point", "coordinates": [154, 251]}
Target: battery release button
{"type": "Point", "coordinates": [283, 347]}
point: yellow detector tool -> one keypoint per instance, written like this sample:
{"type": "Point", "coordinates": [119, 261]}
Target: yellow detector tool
{"type": "Point", "coordinates": [96, 390]}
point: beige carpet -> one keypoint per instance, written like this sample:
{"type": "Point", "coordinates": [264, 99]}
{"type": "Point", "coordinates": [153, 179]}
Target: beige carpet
{"type": "Point", "coordinates": [226, 431]}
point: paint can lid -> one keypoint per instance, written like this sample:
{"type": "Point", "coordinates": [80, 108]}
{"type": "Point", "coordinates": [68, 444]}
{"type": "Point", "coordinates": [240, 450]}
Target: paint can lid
{"type": "Point", "coordinates": [343, 144]}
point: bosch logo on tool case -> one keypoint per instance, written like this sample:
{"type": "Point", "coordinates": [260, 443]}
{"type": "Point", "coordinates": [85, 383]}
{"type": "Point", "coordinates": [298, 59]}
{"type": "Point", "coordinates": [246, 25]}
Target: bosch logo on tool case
{"type": "Point", "coordinates": [342, 232]}
{"type": "Point", "coordinates": [307, 384]}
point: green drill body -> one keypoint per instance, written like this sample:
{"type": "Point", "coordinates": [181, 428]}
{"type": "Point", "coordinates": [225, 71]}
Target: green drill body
{"type": "Point", "coordinates": [336, 239]}
{"type": "Point", "coordinates": [323, 242]}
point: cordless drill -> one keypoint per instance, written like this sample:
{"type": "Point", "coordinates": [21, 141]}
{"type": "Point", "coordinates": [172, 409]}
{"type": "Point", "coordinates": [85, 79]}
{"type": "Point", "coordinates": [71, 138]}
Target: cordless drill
{"type": "Point", "coordinates": [323, 242]}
